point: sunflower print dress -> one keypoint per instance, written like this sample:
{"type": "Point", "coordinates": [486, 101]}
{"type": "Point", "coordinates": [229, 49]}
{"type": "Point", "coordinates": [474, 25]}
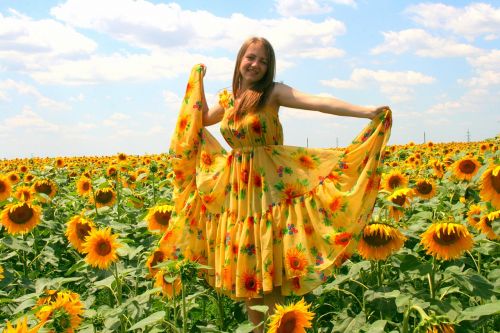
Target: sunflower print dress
{"type": "Point", "coordinates": [266, 215]}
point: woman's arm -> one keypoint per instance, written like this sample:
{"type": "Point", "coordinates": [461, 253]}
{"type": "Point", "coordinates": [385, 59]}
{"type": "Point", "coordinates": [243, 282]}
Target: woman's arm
{"type": "Point", "coordinates": [213, 115]}
{"type": "Point", "coordinates": [286, 96]}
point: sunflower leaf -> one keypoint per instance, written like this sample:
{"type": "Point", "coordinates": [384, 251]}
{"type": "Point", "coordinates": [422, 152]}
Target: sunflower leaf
{"type": "Point", "coordinates": [476, 312]}
{"type": "Point", "coordinates": [149, 320]}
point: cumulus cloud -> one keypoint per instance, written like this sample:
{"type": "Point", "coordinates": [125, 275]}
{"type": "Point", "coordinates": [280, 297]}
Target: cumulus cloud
{"type": "Point", "coordinates": [308, 7]}
{"type": "Point", "coordinates": [396, 85]}
{"type": "Point", "coordinates": [26, 89]}
{"type": "Point", "coordinates": [423, 44]}
{"type": "Point", "coordinates": [471, 21]}
{"type": "Point", "coordinates": [29, 119]}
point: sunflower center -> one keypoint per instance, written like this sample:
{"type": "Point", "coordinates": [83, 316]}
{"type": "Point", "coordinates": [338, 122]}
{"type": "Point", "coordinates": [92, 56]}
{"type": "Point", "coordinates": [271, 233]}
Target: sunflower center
{"type": "Point", "coordinates": [21, 214]}
{"type": "Point", "coordinates": [103, 248]}
{"type": "Point", "coordinates": [158, 256]}
{"type": "Point", "coordinates": [3, 187]}
{"type": "Point", "coordinates": [295, 263]}
{"type": "Point", "coordinates": [446, 238]}
{"type": "Point", "coordinates": [288, 323]}
{"type": "Point", "coordinates": [43, 188]}
{"type": "Point", "coordinates": [86, 186]}
{"type": "Point", "coordinates": [467, 167]}
{"type": "Point", "coordinates": [162, 218]}
{"type": "Point", "coordinates": [394, 182]}
{"type": "Point", "coordinates": [104, 197]}
{"type": "Point", "coordinates": [399, 200]}
{"type": "Point", "coordinates": [82, 230]}
{"type": "Point", "coordinates": [424, 188]}
{"type": "Point", "coordinates": [495, 182]}
{"type": "Point", "coordinates": [376, 240]}
{"type": "Point", "coordinates": [250, 283]}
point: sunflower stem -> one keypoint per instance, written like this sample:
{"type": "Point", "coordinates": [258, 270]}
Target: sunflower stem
{"type": "Point", "coordinates": [154, 190]}
{"type": "Point", "coordinates": [117, 182]}
{"type": "Point", "coordinates": [118, 284]}
{"type": "Point", "coordinates": [406, 318]}
{"type": "Point", "coordinates": [184, 312]}
{"type": "Point", "coordinates": [431, 277]}
{"type": "Point", "coordinates": [220, 307]}
{"type": "Point", "coordinates": [95, 202]}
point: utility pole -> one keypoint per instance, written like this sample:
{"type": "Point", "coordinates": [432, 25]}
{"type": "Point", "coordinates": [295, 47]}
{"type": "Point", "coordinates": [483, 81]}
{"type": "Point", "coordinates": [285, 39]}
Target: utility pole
{"type": "Point", "coordinates": [424, 136]}
{"type": "Point", "coordinates": [468, 136]}
{"type": "Point", "coordinates": [337, 142]}
{"type": "Point", "coordinates": [307, 142]}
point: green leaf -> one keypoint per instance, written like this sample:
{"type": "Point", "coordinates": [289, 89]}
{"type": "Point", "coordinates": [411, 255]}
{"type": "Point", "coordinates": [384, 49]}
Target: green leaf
{"type": "Point", "coordinates": [476, 312]}
{"type": "Point", "coordinates": [260, 308]}
{"type": "Point", "coordinates": [350, 324]}
{"type": "Point", "coordinates": [376, 327]}
{"type": "Point", "coordinates": [245, 327]}
{"type": "Point", "coordinates": [149, 320]}
{"type": "Point", "coordinates": [107, 282]}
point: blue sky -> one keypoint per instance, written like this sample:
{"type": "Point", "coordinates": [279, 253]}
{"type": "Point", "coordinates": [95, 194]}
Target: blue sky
{"type": "Point", "coordinates": [98, 77]}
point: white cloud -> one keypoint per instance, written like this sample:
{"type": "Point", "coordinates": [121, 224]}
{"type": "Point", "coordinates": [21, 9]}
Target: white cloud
{"type": "Point", "coordinates": [300, 7]}
{"type": "Point", "coordinates": [423, 44]}
{"type": "Point", "coordinates": [27, 44]}
{"type": "Point", "coordinates": [395, 85]}
{"type": "Point", "coordinates": [308, 7]}
{"type": "Point", "coordinates": [445, 108]}
{"type": "Point", "coordinates": [30, 120]}
{"type": "Point", "coordinates": [167, 26]}
{"type": "Point", "coordinates": [26, 89]}
{"type": "Point", "coordinates": [473, 20]}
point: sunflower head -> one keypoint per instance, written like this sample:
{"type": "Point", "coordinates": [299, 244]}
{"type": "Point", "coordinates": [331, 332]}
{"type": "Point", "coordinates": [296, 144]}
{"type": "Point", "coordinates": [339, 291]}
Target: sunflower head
{"type": "Point", "coordinates": [424, 188]}
{"type": "Point", "coordinates": [45, 186]}
{"type": "Point", "coordinates": [24, 193]}
{"type": "Point", "coordinates": [169, 289]}
{"type": "Point", "coordinates": [105, 197]}
{"type": "Point", "coordinates": [158, 218]}
{"type": "Point", "coordinates": [64, 314]}
{"type": "Point", "coordinates": [77, 229]}
{"type": "Point", "coordinates": [446, 240]}
{"type": "Point", "coordinates": [20, 217]}
{"type": "Point", "coordinates": [13, 177]}
{"type": "Point", "coordinates": [291, 318]}
{"type": "Point", "coordinates": [84, 186]}
{"type": "Point", "coordinates": [490, 185]}
{"type": "Point", "coordinates": [5, 188]}
{"type": "Point", "coordinates": [486, 224]}
{"type": "Point", "coordinates": [466, 168]}
{"type": "Point", "coordinates": [379, 240]}
{"type": "Point", "coordinates": [101, 248]}
{"type": "Point", "coordinates": [394, 180]}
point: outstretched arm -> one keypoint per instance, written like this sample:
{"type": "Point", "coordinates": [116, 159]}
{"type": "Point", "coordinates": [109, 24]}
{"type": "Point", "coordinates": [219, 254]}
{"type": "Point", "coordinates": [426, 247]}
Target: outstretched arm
{"type": "Point", "coordinates": [286, 96]}
{"type": "Point", "coordinates": [211, 115]}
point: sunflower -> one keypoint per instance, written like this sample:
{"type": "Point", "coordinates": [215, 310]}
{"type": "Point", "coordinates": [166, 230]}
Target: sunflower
{"type": "Point", "coordinates": [395, 179]}
{"type": "Point", "coordinates": [13, 178]}
{"type": "Point", "coordinates": [154, 259]}
{"type": "Point", "coordinates": [473, 215]}
{"type": "Point", "coordinates": [59, 163]}
{"type": "Point", "coordinates": [251, 284]}
{"type": "Point", "coordinates": [169, 289]}
{"type": "Point", "coordinates": [100, 246]}
{"type": "Point", "coordinates": [424, 188]}
{"type": "Point", "coordinates": [401, 199]}
{"type": "Point", "coordinates": [5, 188]}
{"type": "Point", "coordinates": [446, 240]}
{"type": "Point", "coordinates": [379, 240]}
{"type": "Point", "coordinates": [490, 186]}
{"type": "Point", "coordinates": [20, 217]}
{"type": "Point", "coordinates": [77, 228]}
{"type": "Point", "coordinates": [64, 314]}
{"type": "Point", "coordinates": [84, 186]}
{"type": "Point", "coordinates": [105, 197]}
{"type": "Point", "coordinates": [440, 328]}
{"type": "Point", "coordinates": [158, 217]}
{"type": "Point", "coordinates": [438, 167]}
{"type": "Point", "coordinates": [112, 171]}
{"type": "Point", "coordinates": [24, 193]}
{"type": "Point", "coordinates": [21, 327]}
{"type": "Point", "coordinates": [296, 261]}
{"type": "Point", "coordinates": [45, 186]}
{"type": "Point", "coordinates": [466, 168]}
{"type": "Point", "coordinates": [28, 178]}
{"type": "Point", "coordinates": [122, 157]}
{"type": "Point", "coordinates": [292, 318]}
{"type": "Point", "coordinates": [486, 224]}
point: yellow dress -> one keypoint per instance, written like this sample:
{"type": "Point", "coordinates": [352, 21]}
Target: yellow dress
{"type": "Point", "coordinates": [266, 215]}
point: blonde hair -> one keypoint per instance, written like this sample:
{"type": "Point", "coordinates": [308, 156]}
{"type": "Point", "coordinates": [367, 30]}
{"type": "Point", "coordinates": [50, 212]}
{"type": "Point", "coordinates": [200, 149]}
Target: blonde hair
{"type": "Point", "coordinates": [256, 96]}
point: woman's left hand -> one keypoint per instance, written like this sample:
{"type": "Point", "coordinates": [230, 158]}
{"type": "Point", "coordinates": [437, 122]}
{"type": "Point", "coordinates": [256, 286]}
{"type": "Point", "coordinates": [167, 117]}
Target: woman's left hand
{"type": "Point", "coordinates": [375, 112]}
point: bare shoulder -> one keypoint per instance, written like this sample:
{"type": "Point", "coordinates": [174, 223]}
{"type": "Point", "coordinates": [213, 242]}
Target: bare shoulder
{"type": "Point", "coordinates": [279, 90]}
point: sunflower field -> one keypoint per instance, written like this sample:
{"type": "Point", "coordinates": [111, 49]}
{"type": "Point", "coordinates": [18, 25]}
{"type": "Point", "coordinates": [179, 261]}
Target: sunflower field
{"type": "Point", "coordinates": [79, 251]}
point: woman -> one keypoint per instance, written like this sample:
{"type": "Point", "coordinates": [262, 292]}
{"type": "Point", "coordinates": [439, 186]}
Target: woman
{"type": "Point", "coordinates": [272, 220]}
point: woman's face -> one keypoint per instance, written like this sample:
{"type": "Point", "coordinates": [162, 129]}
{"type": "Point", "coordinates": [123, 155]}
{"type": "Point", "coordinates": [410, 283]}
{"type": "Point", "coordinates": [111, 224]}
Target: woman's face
{"type": "Point", "coordinates": [253, 65]}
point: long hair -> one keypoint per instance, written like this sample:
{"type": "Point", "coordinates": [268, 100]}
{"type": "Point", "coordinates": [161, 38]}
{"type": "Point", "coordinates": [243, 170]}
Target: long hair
{"type": "Point", "coordinates": [256, 96]}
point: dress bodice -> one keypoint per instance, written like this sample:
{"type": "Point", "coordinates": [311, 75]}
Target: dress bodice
{"type": "Point", "coordinates": [257, 128]}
